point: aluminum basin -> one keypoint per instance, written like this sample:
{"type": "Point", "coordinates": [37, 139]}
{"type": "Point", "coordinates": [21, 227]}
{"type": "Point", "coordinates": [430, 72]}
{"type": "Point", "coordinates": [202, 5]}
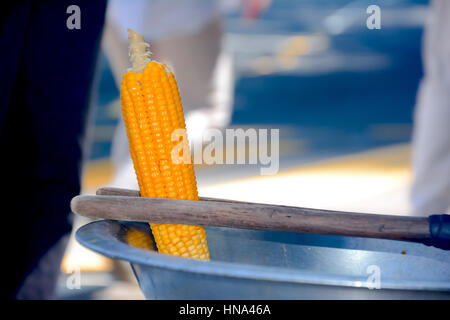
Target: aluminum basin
{"type": "Point", "coordinates": [250, 264]}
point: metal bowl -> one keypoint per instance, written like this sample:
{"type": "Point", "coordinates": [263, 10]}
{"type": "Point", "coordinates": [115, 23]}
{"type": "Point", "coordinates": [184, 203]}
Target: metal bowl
{"type": "Point", "coordinates": [249, 264]}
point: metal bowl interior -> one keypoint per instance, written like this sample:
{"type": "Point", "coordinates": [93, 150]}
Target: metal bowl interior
{"type": "Point", "coordinates": [278, 265]}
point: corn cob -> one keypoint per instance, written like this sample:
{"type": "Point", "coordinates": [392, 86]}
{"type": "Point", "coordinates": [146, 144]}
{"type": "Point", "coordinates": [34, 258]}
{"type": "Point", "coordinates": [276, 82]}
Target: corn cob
{"type": "Point", "coordinates": [152, 110]}
{"type": "Point", "coordinates": [139, 239]}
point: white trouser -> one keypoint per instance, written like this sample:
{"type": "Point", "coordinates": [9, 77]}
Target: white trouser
{"type": "Point", "coordinates": [431, 138]}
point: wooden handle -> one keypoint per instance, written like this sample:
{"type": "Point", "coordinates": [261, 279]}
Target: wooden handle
{"type": "Point", "coordinates": [235, 214]}
{"type": "Point", "coordinates": [111, 191]}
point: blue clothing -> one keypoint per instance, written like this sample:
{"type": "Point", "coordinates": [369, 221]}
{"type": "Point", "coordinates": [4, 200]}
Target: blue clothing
{"type": "Point", "coordinates": [47, 72]}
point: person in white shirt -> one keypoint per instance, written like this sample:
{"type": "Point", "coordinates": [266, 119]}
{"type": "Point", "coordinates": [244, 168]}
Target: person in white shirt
{"type": "Point", "coordinates": [430, 192]}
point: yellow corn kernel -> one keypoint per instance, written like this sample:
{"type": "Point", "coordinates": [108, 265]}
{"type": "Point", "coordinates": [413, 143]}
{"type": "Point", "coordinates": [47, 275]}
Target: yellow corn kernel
{"type": "Point", "coordinates": [139, 239]}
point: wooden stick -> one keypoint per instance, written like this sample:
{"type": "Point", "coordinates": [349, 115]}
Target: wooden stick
{"type": "Point", "coordinates": [112, 191]}
{"type": "Point", "coordinates": [244, 215]}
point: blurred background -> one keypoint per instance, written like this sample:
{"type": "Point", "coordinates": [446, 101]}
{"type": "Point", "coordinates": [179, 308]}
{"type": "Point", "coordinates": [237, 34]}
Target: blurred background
{"type": "Point", "coordinates": [342, 96]}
